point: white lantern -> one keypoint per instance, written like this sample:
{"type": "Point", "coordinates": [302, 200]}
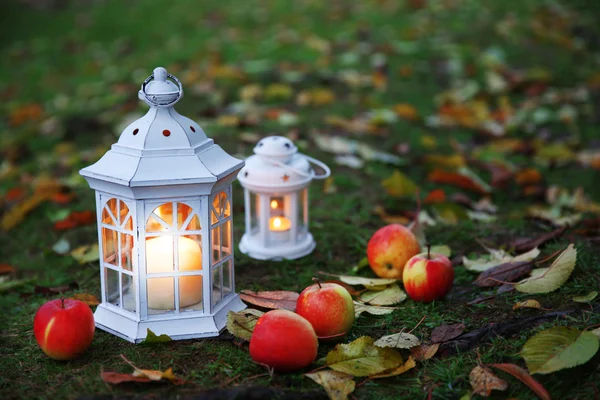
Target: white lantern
{"type": "Point", "coordinates": [275, 182]}
{"type": "Point", "coordinates": [163, 199]}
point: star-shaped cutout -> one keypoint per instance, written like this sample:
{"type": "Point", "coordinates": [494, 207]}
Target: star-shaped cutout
{"type": "Point", "coordinates": [286, 178]}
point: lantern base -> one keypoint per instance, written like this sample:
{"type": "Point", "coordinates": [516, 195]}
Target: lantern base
{"type": "Point", "coordinates": [250, 245]}
{"type": "Point", "coordinates": [176, 326]}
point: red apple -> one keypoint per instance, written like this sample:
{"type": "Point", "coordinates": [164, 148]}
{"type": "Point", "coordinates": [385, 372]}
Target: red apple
{"type": "Point", "coordinates": [64, 328]}
{"type": "Point", "coordinates": [284, 341]}
{"type": "Point", "coordinates": [428, 276]}
{"type": "Point", "coordinates": [328, 307]}
{"type": "Point", "coordinates": [389, 249]}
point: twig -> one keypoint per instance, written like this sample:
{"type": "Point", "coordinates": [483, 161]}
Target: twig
{"type": "Point", "coordinates": [418, 323]}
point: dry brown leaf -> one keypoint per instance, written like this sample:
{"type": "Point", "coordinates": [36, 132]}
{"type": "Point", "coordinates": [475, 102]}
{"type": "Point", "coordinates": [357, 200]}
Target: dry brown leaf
{"type": "Point", "coordinates": [524, 377]}
{"type": "Point", "coordinates": [406, 111]}
{"type": "Point", "coordinates": [435, 196]}
{"type": "Point", "coordinates": [87, 298]}
{"type": "Point", "coordinates": [424, 351]}
{"type": "Point", "coordinates": [444, 332]}
{"type": "Point", "coordinates": [457, 179]}
{"type": "Point", "coordinates": [75, 219]}
{"type": "Point", "coordinates": [507, 272]}
{"type": "Point", "coordinates": [338, 385]}
{"type": "Point", "coordinates": [271, 299]}
{"type": "Point", "coordinates": [483, 381]}
{"type": "Point", "coordinates": [6, 269]}
{"type": "Point", "coordinates": [140, 375]}
{"type": "Point", "coordinates": [16, 214]}
{"type": "Point", "coordinates": [529, 176]}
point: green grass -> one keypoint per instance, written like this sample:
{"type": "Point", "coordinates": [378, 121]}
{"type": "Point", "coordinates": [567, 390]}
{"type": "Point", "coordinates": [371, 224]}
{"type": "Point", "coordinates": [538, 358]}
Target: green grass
{"type": "Point", "coordinates": [83, 65]}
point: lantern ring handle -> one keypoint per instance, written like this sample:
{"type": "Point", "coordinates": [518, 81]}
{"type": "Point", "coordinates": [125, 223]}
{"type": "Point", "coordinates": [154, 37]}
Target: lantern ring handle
{"type": "Point", "coordinates": [312, 174]}
{"type": "Point", "coordinates": [161, 99]}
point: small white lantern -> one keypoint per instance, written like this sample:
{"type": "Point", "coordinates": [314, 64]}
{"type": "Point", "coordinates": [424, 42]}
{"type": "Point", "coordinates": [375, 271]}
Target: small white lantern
{"type": "Point", "coordinates": [275, 182]}
{"type": "Point", "coordinates": [163, 200]}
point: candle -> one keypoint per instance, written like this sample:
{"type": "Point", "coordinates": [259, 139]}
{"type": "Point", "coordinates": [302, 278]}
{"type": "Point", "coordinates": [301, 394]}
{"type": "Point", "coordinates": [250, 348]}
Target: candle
{"type": "Point", "coordinates": [159, 258]}
{"type": "Point", "coordinates": [279, 224]}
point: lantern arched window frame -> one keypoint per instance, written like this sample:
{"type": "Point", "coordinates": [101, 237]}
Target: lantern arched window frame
{"type": "Point", "coordinates": [276, 182]}
{"type": "Point", "coordinates": [156, 224]}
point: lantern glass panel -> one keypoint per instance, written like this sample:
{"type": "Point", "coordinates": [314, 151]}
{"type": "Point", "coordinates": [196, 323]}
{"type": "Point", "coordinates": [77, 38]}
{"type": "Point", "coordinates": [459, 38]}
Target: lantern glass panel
{"type": "Point", "coordinates": [280, 221]}
{"type": "Point", "coordinates": [227, 277]}
{"type": "Point", "coordinates": [111, 286]}
{"type": "Point", "coordinates": [161, 295]}
{"type": "Point", "coordinates": [109, 212]}
{"type": "Point", "coordinates": [187, 302]}
{"type": "Point", "coordinates": [128, 289]}
{"type": "Point", "coordinates": [126, 251]}
{"type": "Point", "coordinates": [302, 210]}
{"type": "Point", "coordinates": [226, 239]}
{"type": "Point", "coordinates": [254, 213]}
{"type": "Point", "coordinates": [220, 208]}
{"type": "Point", "coordinates": [110, 246]}
{"type": "Point", "coordinates": [217, 284]}
{"type": "Point", "coordinates": [216, 244]}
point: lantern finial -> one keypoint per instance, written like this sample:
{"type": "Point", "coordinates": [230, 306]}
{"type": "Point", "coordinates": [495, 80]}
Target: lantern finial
{"type": "Point", "coordinates": [161, 89]}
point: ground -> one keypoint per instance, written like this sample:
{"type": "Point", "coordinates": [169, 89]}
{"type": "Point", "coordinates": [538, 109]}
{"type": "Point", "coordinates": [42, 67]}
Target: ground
{"type": "Point", "coordinates": [372, 71]}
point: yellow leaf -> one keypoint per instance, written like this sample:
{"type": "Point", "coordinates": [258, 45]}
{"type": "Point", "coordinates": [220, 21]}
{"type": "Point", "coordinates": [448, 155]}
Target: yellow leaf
{"type": "Point", "coordinates": [400, 340]}
{"type": "Point", "coordinates": [483, 381]}
{"type": "Point", "coordinates": [428, 142]}
{"type": "Point", "coordinates": [454, 161]}
{"type": "Point", "coordinates": [338, 385]}
{"type": "Point", "coordinates": [527, 304]}
{"type": "Point", "coordinates": [399, 185]}
{"type": "Point", "coordinates": [406, 111]}
{"type": "Point", "coordinates": [545, 280]}
{"type": "Point", "coordinates": [278, 91]}
{"type": "Point", "coordinates": [16, 214]}
{"type": "Point", "coordinates": [86, 253]}
{"type": "Point", "coordinates": [241, 324]}
{"type": "Point", "coordinates": [360, 308]}
{"type": "Point", "coordinates": [587, 298]}
{"type": "Point", "coordinates": [409, 364]}
{"type": "Point", "coordinates": [359, 280]}
{"type": "Point", "coordinates": [362, 358]}
{"type": "Point", "coordinates": [228, 120]}
{"type": "Point", "coordinates": [425, 351]}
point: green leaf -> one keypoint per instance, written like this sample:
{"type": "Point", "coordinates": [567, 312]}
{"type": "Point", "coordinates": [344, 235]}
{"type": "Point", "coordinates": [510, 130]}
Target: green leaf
{"type": "Point", "coordinates": [241, 324]}
{"type": "Point", "coordinates": [587, 298]}
{"type": "Point", "coordinates": [151, 338]}
{"type": "Point", "coordinates": [558, 348]}
{"type": "Point", "coordinates": [399, 185]}
{"type": "Point", "coordinates": [362, 358]}
{"type": "Point", "coordinates": [389, 296]}
{"type": "Point", "coordinates": [360, 308]}
{"type": "Point", "coordinates": [338, 385]}
{"type": "Point", "coordinates": [398, 340]}
{"type": "Point", "coordinates": [86, 253]}
{"type": "Point", "coordinates": [546, 280]}
{"type": "Point", "coordinates": [361, 264]}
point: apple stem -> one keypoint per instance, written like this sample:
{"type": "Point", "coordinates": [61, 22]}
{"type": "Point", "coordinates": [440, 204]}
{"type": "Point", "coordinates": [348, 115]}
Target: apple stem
{"type": "Point", "coordinates": [62, 302]}
{"type": "Point", "coordinates": [318, 282]}
{"type": "Point", "coordinates": [428, 251]}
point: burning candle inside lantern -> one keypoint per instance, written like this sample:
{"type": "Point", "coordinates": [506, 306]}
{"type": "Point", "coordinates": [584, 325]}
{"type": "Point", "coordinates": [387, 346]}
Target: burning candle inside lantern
{"type": "Point", "coordinates": [278, 223]}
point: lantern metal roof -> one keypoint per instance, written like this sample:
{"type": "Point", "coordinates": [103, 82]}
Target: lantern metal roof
{"type": "Point", "coordinates": [163, 147]}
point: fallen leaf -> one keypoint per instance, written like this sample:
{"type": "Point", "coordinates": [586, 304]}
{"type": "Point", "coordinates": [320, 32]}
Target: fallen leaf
{"type": "Point", "coordinates": [16, 214]}
{"type": "Point", "coordinates": [114, 378]}
{"type": "Point", "coordinates": [507, 272]}
{"type": "Point", "coordinates": [558, 216]}
{"type": "Point", "coordinates": [545, 280]}
{"type": "Point", "coordinates": [596, 332]}
{"type": "Point", "coordinates": [444, 332]}
{"type": "Point", "coordinates": [363, 263]}
{"type": "Point", "coordinates": [435, 196]}
{"type": "Point", "coordinates": [359, 280]}
{"type": "Point", "coordinates": [400, 340]}
{"type": "Point", "coordinates": [62, 247]}
{"type": "Point", "coordinates": [362, 358]}
{"type": "Point", "coordinates": [409, 364]}
{"type": "Point", "coordinates": [496, 257]}
{"type": "Point", "coordinates": [350, 289]}
{"type": "Point", "coordinates": [557, 348]}
{"type": "Point", "coordinates": [528, 244]}
{"type": "Point", "coordinates": [529, 176]}
{"type": "Point", "coordinates": [524, 377]}
{"type": "Point", "coordinates": [530, 303]}
{"type": "Point", "coordinates": [424, 351]}
{"type": "Point", "coordinates": [389, 218]}
{"type": "Point", "coordinates": [271, 299]}
{"type": "Point", "coordinates": [241, 324]}
{"type": "Point", "coordinates": [462, 178]}
{"type": "Point", "coordinates": [338, 385]}
{"type": "Point", "coordinates": [360, 308]}
{"type": "Point", "coordinates": [399, 185]}
{"type": "Point", "coordinates": [87, 298]}
{"type": "Point", "coordinates": [86, 253]}
{"type": "Point", "coordinates": [449, 213]}
{"type": "Point", "coordinates": [6, 269]}
{"type": "Point", "coordinates": [483, 381]}
{"type": "Point", "coordinates": [75, 219]}
{"type": "Point", "coordinates": [406, 111]}
{"type": "Point", "coordinates": [340, 145]}
{"type": "Point", "coordinates": [441, 249]}
{"type": "Point", "coordinates": [152, 338]}
{"type": "Point", "coordinates": [454, 161]}
{"type": "Point", "coordinates": [587, 298]}
{"type": "Point", "coordinates": [389, 296]}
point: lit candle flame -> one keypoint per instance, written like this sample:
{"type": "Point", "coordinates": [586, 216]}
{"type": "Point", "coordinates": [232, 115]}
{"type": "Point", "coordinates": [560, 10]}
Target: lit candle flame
{"type": "Point", "coordinates": [277, 222]}
{"type": "Point", "coordinates": [274, 204]}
